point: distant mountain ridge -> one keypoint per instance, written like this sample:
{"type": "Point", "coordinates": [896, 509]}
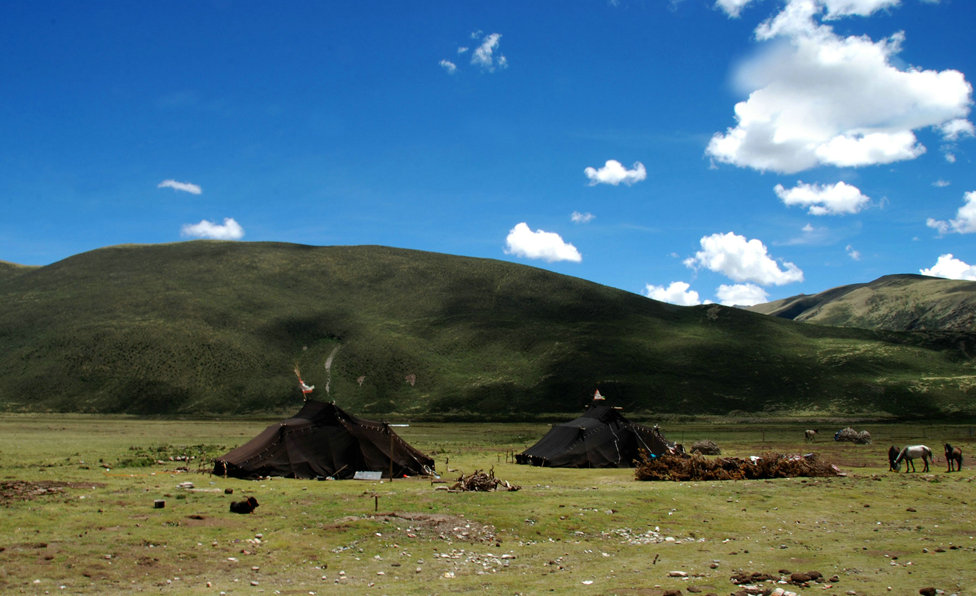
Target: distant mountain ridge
{"type": "Point", "coordinates": [208, 327]}
{"type": "Point", "coordinates": [893, 302]}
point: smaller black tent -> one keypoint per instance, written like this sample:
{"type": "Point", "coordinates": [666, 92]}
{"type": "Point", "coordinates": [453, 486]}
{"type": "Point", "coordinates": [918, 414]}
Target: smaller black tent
{"type": "Point", "coordinates": [323, 441]}
{"type": "Point", "coordinates": [601, 438]}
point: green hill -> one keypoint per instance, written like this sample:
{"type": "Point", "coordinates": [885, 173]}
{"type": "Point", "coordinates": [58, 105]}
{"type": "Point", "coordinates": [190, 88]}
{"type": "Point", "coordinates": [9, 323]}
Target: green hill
{"type": "Point", "coordinates": [217, 327]}
{"type": "Point", "coordinates": [893, 302]}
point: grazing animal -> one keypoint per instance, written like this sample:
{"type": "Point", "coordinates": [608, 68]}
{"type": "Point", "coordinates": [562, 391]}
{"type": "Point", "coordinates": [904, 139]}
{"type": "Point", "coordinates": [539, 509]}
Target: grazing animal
{"type": "Point", "coordinates": [809, 435]}
{"type": "Point", "coordinates": [953, 456]}
{"type": "Point", "coordinates": [244, 506]}
{"type": "Point", "coordinates": [912, 452]}
{"type": "Point", "coordinates": [893, 452]}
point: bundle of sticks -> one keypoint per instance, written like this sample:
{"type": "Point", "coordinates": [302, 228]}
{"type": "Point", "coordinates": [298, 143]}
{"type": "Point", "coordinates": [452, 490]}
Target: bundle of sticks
{"type": "Point", "coordinates": [480, 481]}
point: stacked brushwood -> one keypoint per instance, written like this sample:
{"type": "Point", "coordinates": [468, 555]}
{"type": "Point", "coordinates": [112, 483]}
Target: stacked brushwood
{"type": "Point", "coordinates": [480, 481]}
{"type": "Point", "coordinates": [768, 465]}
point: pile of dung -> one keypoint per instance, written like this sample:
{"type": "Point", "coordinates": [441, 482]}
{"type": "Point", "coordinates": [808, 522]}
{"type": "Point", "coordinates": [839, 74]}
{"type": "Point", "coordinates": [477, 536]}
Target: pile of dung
{"type": "Point", "coordinates": [768, 465]}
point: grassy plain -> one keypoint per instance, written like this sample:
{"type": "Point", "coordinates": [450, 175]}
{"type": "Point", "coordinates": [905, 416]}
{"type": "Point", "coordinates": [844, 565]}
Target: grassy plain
{"type": "Point", "coordinates": [565, 531]}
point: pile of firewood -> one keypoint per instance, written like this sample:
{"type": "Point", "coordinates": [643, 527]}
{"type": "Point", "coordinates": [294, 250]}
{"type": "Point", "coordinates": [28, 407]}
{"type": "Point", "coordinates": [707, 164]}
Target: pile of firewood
{"type": "Point", "coordinates": [480, 481]}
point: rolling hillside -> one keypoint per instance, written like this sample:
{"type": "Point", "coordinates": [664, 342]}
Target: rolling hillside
{"type": "Point", "coordinates": [217, 327]}
{"type": "Point", "coordinates": [893, 302]}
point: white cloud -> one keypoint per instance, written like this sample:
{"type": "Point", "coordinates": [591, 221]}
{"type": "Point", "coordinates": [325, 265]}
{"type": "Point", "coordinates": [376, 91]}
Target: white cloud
{"type": "Point", "coordinates": [951, 268]}
{"type": "Point", "coordinates": [523, 242]}
{"type": "Point", "coordinates": [613, 172]}
{"type": "Point", "coordinates": [448, 66]}
{"type": "Point", "coordinates": [855, 255]}
{"type": "Point", "coordinates": [181, 186]}
{"type": "Point", "coordinates": [941, 183]}
{"type": "Point", "coordinates": [678, 292]}
{"type": "Point", "coordinates": [954, 129]}
{"type": "Point", "coordinates": [582, 218]}
{"type": "Point", "coordinates": [230, 230]}
{"type": "Point", "coordinates": [862, 8]}
{"type": "Point", "coordinates": [732, 7]}
{"type": "Point", "coordinates": [741, 294]}
{"type": "Point", "coordinates": [484, 55]}
{"type": "Point", "coordinates": [742, 260]}
{"type": "Point", "coordinates": [965, 221]}
{"type": "Point", "coordinates": [831, 199]}
{"type": "Point", "coordinates": [822, 99]}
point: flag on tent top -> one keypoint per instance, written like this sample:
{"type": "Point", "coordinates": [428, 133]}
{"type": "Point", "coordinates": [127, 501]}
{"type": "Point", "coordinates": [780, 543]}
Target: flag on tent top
{"type": "Point", "coordinates": [306, 389]}
{"type": "Point", "coordinates": [597, 396]}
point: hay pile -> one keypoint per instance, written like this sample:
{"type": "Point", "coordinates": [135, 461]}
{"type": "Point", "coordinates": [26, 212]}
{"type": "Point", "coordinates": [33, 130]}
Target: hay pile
{"type": "Point", "coordinates": [706, 447]}
{"type": "Point", "coordinates": [769, 465]}
{"type": "Point", "coordinates": [479, 481]}
{"type": "Point", "coordinates": [849, 434]}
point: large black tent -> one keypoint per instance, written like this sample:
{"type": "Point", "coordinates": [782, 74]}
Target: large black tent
{"type": "Point", "coordinates": [323, 441]}
{"type": "Point", "coordinates": [601, 438]}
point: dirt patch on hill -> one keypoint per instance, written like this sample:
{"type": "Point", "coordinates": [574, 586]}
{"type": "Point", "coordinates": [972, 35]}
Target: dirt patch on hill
{"type": "Point", "coordinates": [23, 490]}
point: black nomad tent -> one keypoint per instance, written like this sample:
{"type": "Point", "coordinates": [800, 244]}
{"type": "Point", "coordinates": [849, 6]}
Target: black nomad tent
{"type": "Point", "coordinates": [601, 438]}
{"type": "Point", "coordinates": [324, 441]}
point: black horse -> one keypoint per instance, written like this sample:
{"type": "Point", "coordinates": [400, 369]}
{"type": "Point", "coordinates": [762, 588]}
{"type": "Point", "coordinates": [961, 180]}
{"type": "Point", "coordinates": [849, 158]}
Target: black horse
{"type": "Point", "coordinates": [953, 458]}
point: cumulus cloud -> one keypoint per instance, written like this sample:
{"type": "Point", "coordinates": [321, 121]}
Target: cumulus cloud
{"type": "Point", "coordinates": [819, 98]}
{"type": "Point", "coordinates": [448, 66]}
{"type": "Point", "coordinates": [181, 186]}
{"type": "Point", "coordinates": [951, 268]}
{"type": "Point", "coordinates": [229, 230]}
{"type": "Point", "coordinates": [855, 255]}
{"type": "Point", "coordinates": [862, 8]}
{"type": "Point", "coordinates": [732, 7]}
{"type": "Point", "coordinates": [830, 199]}
{"type": "Point", "coordinates": [965, 220]}
{"type": "Point", "coordinates": [741, 294]}
{"type": "Point", "coordinates": [678, 292]}
{"type": "Point", "coordinates": [954, 129]}
{"type": "Point", "coordinates": [742, 260]}
{"type": "Point", "coordinates": [549, 246]}
{"type": "Point", "coordinates": [582, 218]}
{"type": "Point", "coordinates": [613, 172]}
{"type": "Point", "coordinates": [484, 55]}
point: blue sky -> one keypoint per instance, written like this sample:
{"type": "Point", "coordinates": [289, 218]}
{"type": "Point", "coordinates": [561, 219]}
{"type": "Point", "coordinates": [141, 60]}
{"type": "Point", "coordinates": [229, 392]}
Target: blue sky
{"type": "Point", "coordinates": [732, 151]}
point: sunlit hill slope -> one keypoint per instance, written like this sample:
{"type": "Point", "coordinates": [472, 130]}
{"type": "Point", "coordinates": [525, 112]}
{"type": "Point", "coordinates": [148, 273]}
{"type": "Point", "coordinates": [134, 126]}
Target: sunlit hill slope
{"type": "Point", "coordinates": [218, 327]}
{"type": "Point", "coordinates": [895, 302]}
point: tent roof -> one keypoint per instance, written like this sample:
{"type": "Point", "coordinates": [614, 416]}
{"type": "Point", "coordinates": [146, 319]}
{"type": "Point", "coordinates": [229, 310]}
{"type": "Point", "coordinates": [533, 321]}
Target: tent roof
{"type": "Point", "coordinates": [322, 440]}
{"type": "Point", "coordinates": [601, 438]}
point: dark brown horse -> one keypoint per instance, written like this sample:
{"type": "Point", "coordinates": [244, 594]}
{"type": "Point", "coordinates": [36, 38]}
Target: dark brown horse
{"type": "Point", "coordinates": [892, 456]}
{"type": "Point", "coordinates": [953, 456]}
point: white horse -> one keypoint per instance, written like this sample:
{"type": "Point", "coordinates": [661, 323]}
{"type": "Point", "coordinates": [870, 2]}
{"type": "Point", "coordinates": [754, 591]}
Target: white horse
{"type": "Point", "coordinates": [912, 452]}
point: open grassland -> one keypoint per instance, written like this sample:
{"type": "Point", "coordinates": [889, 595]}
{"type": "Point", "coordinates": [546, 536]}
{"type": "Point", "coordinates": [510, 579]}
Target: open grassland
{"type": "Point", "coordinates": [95, 528]}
